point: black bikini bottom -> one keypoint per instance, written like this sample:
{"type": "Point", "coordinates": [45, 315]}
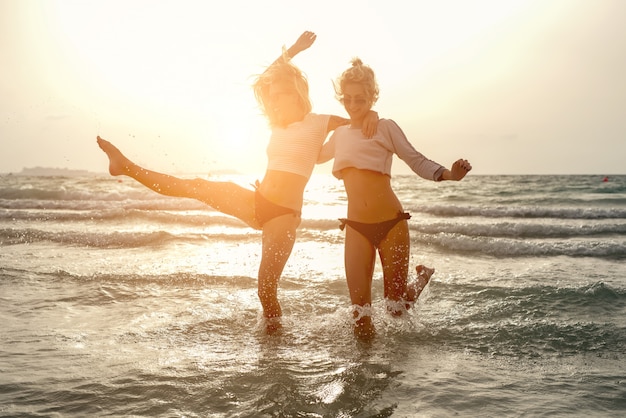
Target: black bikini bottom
{"type": "Point", "coordinates": [265, 211]}
{"type": "Point", "coordinates": [376, 232]}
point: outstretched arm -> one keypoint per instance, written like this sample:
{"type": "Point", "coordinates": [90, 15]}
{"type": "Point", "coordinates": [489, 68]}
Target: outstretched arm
{"type": "Point", "coordinates": [459, 169]}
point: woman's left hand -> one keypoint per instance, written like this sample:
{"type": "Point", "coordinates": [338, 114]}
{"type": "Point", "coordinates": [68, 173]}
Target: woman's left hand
{"type": "Point", "coordinates": [459, 169]}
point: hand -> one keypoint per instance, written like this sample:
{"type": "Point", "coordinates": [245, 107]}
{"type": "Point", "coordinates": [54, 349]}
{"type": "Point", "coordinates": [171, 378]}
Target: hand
{"type": "Point", "coordinates": [459, 169]}
{"type": "Point", "coordinates": [304, 41]}
{"type": "Point", "coordinates": [370, 124]}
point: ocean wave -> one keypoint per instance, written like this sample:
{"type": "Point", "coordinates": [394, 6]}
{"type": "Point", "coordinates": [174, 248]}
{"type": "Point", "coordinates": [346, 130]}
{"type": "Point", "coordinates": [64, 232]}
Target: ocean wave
{"type": "Point", "coordinates": [507, 247]}
{"type": "Point", "coordinates": [96, 203]}
{"type": "Point", "coordinates": [54, 192]}
{"type": "Point", "coordinates": [522, 230]}
{"type": "Point", "coordinates": [532, 227]}
{"type": "Point", "coordinates": [531, 339]}
{"type": "Point", "coordinates": [131, 239]}
{"type": "Point", "coordinates": [515, 211]}
{"type": "Point", "coordinates": [595, 299]}
{"type": "Point", "coordinates": [530, 321]}
{"type": "Point", "coordinates": [160, 203]}
{"type": "Point", "coordinates": [161, 216]}
{"type": "Point", "coordinates": [118, 228]}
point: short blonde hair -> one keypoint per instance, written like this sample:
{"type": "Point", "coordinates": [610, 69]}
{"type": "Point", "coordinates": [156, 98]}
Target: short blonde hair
{"type": "Point", "coordinates": [358, 73]}
{"type": "Point", "coordinates": [282, 70]}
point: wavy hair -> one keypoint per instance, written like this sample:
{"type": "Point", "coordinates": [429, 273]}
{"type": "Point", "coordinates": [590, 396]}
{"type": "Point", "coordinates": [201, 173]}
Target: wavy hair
{"type": "Point", "coordinates": [358, 73]}
{"type": "Point", "coordinates": [281, 70]}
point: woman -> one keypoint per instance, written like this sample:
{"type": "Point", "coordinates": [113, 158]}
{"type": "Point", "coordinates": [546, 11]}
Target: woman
{"type": "Point", "coordinates": [376, 220]}
{"type": "Point", "coordinates": [274, 207]}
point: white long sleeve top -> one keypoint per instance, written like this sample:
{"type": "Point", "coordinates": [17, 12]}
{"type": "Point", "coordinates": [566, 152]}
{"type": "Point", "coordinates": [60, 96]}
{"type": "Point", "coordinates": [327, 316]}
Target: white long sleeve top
{"type": "Point", "coordinates": [351, 148]}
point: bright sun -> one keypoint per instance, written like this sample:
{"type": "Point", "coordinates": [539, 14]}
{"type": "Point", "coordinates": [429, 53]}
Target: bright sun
{"type": "Point", "coordinates": [167, 65]}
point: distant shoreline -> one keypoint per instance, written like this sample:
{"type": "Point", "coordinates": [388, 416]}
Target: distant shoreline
{"type": "Point", "coordinates": [51, 171]}
{"type": "Point", "coordinates": [68, 172]}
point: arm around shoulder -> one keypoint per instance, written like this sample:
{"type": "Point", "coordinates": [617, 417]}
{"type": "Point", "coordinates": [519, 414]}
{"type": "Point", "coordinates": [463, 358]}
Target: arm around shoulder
{"type": "Point", "coordinates": [336, 121]}
{"type": "Point", "coordinates": [327, 152]}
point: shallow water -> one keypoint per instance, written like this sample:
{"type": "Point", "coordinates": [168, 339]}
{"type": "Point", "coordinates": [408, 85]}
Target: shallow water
{"type": "Point", "coordinates": [119, 302]}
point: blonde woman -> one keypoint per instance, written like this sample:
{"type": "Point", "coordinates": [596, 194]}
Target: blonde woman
{"type": "Point", "coordinates": [275, 206]}
{"type": "Point", "coordinates": [376, 221]}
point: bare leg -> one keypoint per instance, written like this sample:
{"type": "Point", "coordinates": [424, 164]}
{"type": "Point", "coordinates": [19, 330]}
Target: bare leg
{"type": "Point", "coordinates": [394, 256]}
{"type": "Point", "coordinates": [279, 236]}
{"type": "Point", "coordinates": [359, 264]}
{"type": "Point", "coordinates": [227, 197]}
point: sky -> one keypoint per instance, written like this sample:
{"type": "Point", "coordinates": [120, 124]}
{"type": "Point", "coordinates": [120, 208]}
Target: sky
{"type": "Point", "coordinates": [516, 87]}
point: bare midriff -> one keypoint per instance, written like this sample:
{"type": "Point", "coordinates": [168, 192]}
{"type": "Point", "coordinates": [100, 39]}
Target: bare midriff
{"type": "Point", "coordinates": [370, 196]}
{"type": "Point", "coordinates": [283, 188]}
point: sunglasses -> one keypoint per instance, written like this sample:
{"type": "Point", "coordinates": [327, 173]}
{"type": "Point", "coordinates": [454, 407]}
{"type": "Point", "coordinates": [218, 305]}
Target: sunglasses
{"type": "Point", "coordinates": [358, 101]}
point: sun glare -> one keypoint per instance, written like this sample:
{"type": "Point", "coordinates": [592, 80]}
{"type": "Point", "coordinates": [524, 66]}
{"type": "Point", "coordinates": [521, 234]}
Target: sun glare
{"type": "Point", "coordinates": [162, 63]}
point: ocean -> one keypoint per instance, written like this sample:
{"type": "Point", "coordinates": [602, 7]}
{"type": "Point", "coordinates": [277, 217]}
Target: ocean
{"type": "Point", "coordinates": [119, 302]}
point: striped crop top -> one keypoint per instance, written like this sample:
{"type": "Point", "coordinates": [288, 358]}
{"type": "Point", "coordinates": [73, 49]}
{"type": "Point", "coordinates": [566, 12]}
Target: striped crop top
{"type": "Point", "coordinates": [295, 149]}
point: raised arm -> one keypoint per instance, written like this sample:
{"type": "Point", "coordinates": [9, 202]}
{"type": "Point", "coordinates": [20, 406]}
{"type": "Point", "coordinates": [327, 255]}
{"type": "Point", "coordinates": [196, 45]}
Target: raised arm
{"type": "Point", "coordinates": [303, 42]}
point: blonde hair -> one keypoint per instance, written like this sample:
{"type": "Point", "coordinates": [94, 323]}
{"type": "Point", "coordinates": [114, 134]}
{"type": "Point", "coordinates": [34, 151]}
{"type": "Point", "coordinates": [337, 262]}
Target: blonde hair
{"type": "Point", "coordinates": [358, 73]}
{"type": "Point", "coordinates": [282, 70]}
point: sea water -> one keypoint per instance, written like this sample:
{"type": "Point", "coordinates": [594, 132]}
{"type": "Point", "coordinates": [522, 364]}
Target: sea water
{"type": "Point", "coordinates": [116, 301]}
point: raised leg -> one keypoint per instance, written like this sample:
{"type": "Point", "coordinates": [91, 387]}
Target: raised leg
{"type": "Point", "coordinates": [226, 197]}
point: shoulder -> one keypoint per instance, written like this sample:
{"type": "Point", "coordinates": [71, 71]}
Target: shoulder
{"type": "Point", "coordinates": [318, 119]}
{"type": "Point", "coordinates": [311, 122]}
{"type": "Point", "coordinates": [316, 116]}
{"type": "Point", "coordinates": [387, 123]}
{"type": "Point", "coordinates": [389, 127]}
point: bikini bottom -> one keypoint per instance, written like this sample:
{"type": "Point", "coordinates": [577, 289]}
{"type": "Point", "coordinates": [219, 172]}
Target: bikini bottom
{"type": "Point", "coordinates": [265, 211]}
{"type": "Point", "coordinates": [374, 232]}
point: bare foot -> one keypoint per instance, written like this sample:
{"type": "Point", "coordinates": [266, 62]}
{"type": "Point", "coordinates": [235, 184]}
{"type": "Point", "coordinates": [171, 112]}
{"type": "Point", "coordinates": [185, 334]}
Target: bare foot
{"type": "Point", "coordinates": [364, 329]}
{"type": "Point", "coordinates": [118, 163]}
{"type": "Point", "coordinates": [273, 325]}
{"type": "Point", "coordinates": [415, 288]}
